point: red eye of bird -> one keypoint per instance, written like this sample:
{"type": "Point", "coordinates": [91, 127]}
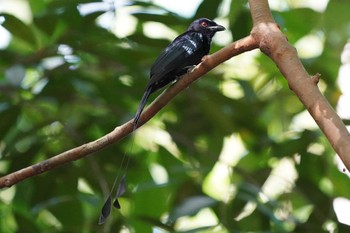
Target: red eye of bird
{"type": "Point", "coordinates": [204, 24]}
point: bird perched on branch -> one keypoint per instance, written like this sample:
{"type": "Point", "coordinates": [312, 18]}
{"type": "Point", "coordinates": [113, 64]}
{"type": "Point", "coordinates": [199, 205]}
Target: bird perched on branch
{"type": "Point", "coordinates": [184, 52]}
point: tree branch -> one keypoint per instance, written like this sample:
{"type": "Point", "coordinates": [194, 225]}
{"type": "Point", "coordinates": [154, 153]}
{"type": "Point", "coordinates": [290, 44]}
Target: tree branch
{"type": "Point", "coordinates": [275, 45]}
{"type": "Point", "coordinates": [265, 35]}
{"type": "Point", "coordinates": [208, 63]}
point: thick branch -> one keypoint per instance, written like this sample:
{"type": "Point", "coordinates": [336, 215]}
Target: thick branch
{"type": "Point", "coordinates": [208, 63]}
{"type": "Point", "coordinates": [265, 35]}
{"type": "Point", "coordinates": [275, 45]}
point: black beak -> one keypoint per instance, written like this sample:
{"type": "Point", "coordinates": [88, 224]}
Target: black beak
{"type": "Point", "coordinates": [216, 28]}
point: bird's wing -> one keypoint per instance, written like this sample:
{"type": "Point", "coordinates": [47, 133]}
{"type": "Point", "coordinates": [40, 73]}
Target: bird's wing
{"type": "Point", "coordinates": [185, 50]}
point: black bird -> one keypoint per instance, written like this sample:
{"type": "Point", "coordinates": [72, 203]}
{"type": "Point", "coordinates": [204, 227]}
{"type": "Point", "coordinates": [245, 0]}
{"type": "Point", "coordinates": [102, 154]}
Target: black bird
{"type": "Point", "coordinates": [184, 52]}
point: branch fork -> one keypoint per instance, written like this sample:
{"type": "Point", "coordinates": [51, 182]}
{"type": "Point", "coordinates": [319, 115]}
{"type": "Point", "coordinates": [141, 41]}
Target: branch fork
{"type": "Point", "coordinates": [265, 35]}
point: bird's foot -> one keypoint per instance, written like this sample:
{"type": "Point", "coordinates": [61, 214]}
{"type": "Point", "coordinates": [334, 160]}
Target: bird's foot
{"type": "Point", "coordinates": [190, 68]}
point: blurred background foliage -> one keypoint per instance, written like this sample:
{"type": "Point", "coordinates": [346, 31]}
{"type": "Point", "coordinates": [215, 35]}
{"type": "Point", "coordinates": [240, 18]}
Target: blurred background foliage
{"type": "Point", "coordinates": [235, 152]}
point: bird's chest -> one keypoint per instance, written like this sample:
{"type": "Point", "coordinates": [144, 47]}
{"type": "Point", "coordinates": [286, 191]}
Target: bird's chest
{"type": "Point", "coordinates": [196, 44]}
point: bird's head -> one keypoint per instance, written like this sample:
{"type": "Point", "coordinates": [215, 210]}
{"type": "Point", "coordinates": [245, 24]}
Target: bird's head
{"type": "Point", "coordinates": [205, 26]}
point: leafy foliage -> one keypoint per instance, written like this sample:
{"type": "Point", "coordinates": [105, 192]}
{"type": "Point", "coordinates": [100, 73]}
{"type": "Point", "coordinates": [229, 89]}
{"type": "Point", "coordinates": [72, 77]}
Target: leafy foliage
{"type": "Point", "coordinates": [207, 162]}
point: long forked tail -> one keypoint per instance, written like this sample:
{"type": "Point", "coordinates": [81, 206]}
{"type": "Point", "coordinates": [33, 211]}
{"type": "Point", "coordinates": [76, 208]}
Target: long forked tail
{"type": "Point", "coordinates": [106, 209]}
{"type": "Point", "coordinates": [142, 104]}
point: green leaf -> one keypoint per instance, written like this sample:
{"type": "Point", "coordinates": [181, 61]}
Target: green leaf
{"type": "Point", "coordinates": [8, 116]}
{"type": "Point", "coordinates": [292, 22]}
{"type": "Point", "coordinates": [20, 30]}
{"type": "Point", "coordinates": [191, 206]}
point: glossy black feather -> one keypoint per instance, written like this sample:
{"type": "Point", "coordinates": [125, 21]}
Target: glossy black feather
{"type": "Point", "coordinates": [106, 210]}
{"type": "Point", "coordinates": [120, 191]}
{"type": "Point", "coordinates": [146, 94]}
{"type": "Point", "coordinates": [185, 51]}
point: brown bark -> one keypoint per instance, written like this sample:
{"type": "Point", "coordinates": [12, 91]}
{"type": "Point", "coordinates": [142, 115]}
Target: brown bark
{"type": "Point", "coordinates": [275, 45]}
{"type": "Point", "coordinates": [271, 41]}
